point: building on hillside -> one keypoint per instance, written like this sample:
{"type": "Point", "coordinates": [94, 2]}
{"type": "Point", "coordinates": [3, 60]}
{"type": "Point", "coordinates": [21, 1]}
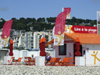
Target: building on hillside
{"type": "Point", "coordinates": [49, 37]}
{"type": "Point", "coordinates": [16, 33]}
{"type": "Point", "coordinates": [84, 24]}
{"type": "Point", "coordinates": [30, 40]}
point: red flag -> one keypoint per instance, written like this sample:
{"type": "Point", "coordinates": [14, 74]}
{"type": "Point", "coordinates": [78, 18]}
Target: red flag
{"type": "Point", "coordinates": [60, 26]}
{"type": "Point", "coordinates": [60, 23]}
{"type": "Point", "coordinates": [67, 10]}
{"type": "Point", "coordinates": [6, 29]}
{"type": "Point", "coordinates": [6, 32]}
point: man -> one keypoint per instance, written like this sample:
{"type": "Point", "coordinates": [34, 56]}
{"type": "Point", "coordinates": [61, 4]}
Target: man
{"type": "Point", "coordinates": [32, 57]}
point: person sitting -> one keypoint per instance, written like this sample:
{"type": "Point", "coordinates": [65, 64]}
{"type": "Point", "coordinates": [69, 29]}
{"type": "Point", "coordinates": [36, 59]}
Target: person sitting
{"type": "Point", "coordinates": [31, 60]}
{"type": "Point", "coordinates": [48, 58]}
{"type": "Point", "coordinates": [32, 57]}
{"type": "Point", "coordinates": [13, 59]}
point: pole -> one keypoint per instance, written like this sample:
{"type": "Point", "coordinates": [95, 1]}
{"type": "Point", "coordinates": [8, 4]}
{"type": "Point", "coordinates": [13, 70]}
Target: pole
{"type": "Point", "coordinates": [62, 9]}
{"type": "Point", "coordinates": [98, 14]}
{"type": "Point", "coordinates": [53, 55]}
{"type": "Point", "coordinates": [97, 22]}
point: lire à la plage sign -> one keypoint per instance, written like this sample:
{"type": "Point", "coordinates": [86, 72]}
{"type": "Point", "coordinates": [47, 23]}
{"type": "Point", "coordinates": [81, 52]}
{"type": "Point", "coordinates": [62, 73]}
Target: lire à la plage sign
{"type": "Point", "coordinates": [80, 29]}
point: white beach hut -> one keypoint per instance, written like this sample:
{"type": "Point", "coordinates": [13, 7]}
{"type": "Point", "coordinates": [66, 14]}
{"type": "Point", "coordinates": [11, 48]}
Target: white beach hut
{"type": "Point", "coordinates": [88, 39]}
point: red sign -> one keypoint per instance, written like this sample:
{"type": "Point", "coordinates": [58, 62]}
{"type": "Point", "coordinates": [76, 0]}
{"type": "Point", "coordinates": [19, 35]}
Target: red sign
{"type": "Point", "coordinates": [84, 29]}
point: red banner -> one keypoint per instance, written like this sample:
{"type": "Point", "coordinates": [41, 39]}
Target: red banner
{"type": "Point", "coordinates": [68, 10]}
{"type": "Point", "coordinates": [60, 21]}
{"type": "Point", "coordinates": [6, 29]}
{"type": "Point", "coordinates": [6, 33]}
{"type": "Point", "coordinates": [60, 28]}
{"type": "Point", "coordinates": [84, 29]}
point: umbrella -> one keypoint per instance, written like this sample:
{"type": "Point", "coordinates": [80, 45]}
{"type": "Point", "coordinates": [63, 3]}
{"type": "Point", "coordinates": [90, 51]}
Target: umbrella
{"type": "Point", "coordinates": [42, 47]}
{"type": "Point", "coordinates": [77, 47]}
{"type": "Point", "coordinates": [11, 48]}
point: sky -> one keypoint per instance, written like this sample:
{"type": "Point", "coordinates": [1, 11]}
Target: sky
{"type": "Point", "coordinates": [84, 9]}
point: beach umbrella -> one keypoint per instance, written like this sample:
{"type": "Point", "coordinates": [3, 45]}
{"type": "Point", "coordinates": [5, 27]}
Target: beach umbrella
{"type": "Point", "coordinates": [42, 47]}
{"type": "Point", "coordinates": [11, 48]}
{"type": "Point", "coordinates": [77, 47]}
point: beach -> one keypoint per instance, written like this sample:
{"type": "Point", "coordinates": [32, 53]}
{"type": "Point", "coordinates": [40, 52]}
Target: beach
{"type": "Point", "coordinates": [47, 70]}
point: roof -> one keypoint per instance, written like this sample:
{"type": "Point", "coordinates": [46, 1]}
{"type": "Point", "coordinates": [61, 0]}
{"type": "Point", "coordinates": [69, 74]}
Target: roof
{"type": "Point", "coordinates": [11, 41]}
{"type": "Point", "coordinates": [42, 40]}
{"type": "Point", "coordinates": [82, 37]}
{"type": "Point", "coordinates": [4, 49]}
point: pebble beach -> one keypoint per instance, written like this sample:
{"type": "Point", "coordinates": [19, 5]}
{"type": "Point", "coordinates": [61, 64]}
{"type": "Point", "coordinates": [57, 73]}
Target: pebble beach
{"type": "Point", "coordinates": [47, 70]}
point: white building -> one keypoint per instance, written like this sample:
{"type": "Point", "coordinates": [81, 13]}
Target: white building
{"type": "Point", "coordinates": [30, 40]}
{"type": "Point", "coordinates": [26, 53]}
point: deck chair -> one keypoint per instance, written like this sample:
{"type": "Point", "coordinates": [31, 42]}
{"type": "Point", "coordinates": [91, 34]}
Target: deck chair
{"type": "Point", "coordinates": [11, 60]}
{"type": "Point", "coordinates": [19, 60]}
{"type": "Point", "coordinates": [29, 60]}
{"type": "Point", "coordinates": [33, 61]}
{"type": "Point", "coordinates": [72, 61]}
{"type": "Point", "coordinates": [56, 63]}
{"type": "Point", "coordinates": [52, 61]}
{"type": "Point", "coordinates": [64, 62]}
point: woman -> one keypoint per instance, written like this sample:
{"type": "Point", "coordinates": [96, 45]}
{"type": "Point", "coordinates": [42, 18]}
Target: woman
{"type": "Point", "coordinates": [48, 58]}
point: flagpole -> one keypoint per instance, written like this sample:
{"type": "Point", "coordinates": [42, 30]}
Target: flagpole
{"type": "Point", "coordinates": [97, 22]}
{"type": "Point", "coordinates": [98, 19]}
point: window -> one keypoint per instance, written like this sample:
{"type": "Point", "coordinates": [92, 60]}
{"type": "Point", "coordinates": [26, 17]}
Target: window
{"type": "Point", "coordinates": [62, 50]}
{"type": "Point", "coordinates": [36, 40]}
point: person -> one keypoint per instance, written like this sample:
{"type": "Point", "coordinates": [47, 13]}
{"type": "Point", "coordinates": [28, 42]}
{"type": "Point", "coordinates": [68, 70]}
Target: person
{"type": "Point", "coordinates": [48, 58]}
{"type": "Point", "coordinates": [13, 59]}
{"type": "Point", "coordinates": [32, 57]}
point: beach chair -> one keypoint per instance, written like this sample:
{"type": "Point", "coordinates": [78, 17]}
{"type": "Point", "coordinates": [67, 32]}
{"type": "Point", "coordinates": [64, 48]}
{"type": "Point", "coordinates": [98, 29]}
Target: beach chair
{"type": "Point", "coordinates": [64, 62]}
{"type": "Point", "coordinates": [28, 60]}
{"type": "Point", "coordinates": [51, 62]}
{"type": "Point", "coordinates": [19, 60]}
{"type": "Point", "coordinates": [33, 61]}
{"type": "Point", "coordinates": [54, 61]}
{"type": "Point", "coordinates": [11, 60]}
{"type": "Point", "coordinates": [72, 62]}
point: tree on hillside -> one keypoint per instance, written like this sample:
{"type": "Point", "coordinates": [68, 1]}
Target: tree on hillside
{"type": "Point", "coordinates": [51, 19]}
{"type": "Point", "coordinates": [22, 20]}
{"type": "Point", "coordinates": [2, 22]}
{"type": "Point", "coordinates": [41, 19]}
{"type": "Point", "coordinates": [30, 20]}
{"type": "Point", "coordinates": [14, 23]}
{"type": "Point", "coordinates": [41, 24]}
